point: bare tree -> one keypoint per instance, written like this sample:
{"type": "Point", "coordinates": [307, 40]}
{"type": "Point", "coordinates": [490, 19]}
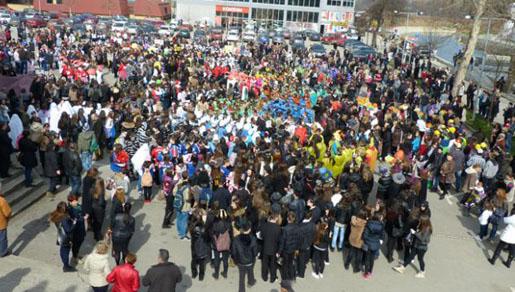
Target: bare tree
{"type": "Point", "coordinates": [376, 14]}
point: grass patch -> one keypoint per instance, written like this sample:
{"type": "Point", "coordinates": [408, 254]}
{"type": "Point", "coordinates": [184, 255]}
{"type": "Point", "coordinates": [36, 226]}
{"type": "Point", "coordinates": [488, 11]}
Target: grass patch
{"type": "Point", "coordinates": [479, 124]}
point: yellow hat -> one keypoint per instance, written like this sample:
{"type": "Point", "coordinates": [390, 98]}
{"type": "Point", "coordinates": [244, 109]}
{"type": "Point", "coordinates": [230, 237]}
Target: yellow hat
{"type": "Point", "coordinates": [451, 121]}
{"type": "Point", "coordinates": [452, 130]}
{"type": "Point", "coordinates": [437, 133]}
{"type": "Point", "coordinates": [484, 145]}
{"type": "Point", "coordinates": [478, 147]}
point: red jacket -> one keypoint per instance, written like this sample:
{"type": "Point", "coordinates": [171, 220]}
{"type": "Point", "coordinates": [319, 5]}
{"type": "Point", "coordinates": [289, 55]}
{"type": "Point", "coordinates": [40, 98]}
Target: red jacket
{"type": "Point", "coordinates": [125, 278]}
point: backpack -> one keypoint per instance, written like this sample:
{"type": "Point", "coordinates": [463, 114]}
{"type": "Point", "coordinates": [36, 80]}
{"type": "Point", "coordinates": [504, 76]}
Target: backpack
{"type": "Point", "coordinates": [146, 179]}
{"type": "Point", "coordinates": [223, 241]}
{"type": "Point", "coordinates": [205, 195]}
{"type": "Point", "coordinates": [178, 200]}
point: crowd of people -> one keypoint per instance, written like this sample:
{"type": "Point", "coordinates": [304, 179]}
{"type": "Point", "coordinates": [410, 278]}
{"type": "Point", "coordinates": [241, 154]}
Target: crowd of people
{"type": "Point", "coordinates": [259, 153]}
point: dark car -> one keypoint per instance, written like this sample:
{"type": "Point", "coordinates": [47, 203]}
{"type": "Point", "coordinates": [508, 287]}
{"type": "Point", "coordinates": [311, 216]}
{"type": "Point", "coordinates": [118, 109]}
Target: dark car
{"type": "Point", "coordinates": [184, 33]}
{"type": "Point", "coordinates": [298, 45]}
{"type": "Point", "coordinates": [263, 38]}
{"type": "Point", "coordinates": [363, 53]}
{"type": "Point", "coordinates": [148, 28]}
{"type": "Point", "coordinates": [299, 35]}
{"type": "Point", "coordinates": [318, 50]}
{"type": "Point", "coordinates": [216, 33]}
{"type": "Point", "coordinates": [309, 32]}
{"type": "Point", "coordinates": [199, 36]}
{"type": "Point", "coordinates": [314, 37]}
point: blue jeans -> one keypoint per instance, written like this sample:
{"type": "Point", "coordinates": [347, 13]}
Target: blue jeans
{"type": "Point", "coordinates": [182, 223]}
{"type": "Point", "coordinates": [3, 242]}
{"type": "Point", "coordinates": [64, 252]}
{"type": "Point", "coordinates": [86, 159]}
{"type": "Point", "coordinates": [28, 176]}
{"type": "Point", "coordinates": [458, 180]}
{"type": "Point", "coordinates": [338, 231]}
{"type": "Point", "coordinates": [75, 183]}
{"type": "Point", "coordinates": [493, 232]}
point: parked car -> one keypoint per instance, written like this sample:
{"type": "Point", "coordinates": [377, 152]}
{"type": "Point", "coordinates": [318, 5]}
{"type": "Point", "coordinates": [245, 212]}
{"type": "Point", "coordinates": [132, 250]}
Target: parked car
{"type": "Point", "coordinates": [298, 45]}
{"type": "Point", "coordinates": [35, 22]}
{"type": "Point", "coordinates": [299, 35]}
{"type": "Point", "coordinates": [314, 37]}
{"type": "Point", "coordinates": [118, 26]}
{"type": "Point", "coordinates": [286, 34]}
{"type": "Point", "coordinates": [103, 24]}
{"type": "Point", "coordinates": [309, 32]}
{"type": "Point", "coordinates": [352, 36]}
{"type": "Point", "coordinates": [233, 36]}
{"type": "Point", "coordinates": [263, 38]}
{"type": "Point", "coordinates": [318, 50]}
{"type": "Point", "coordinates": [166, 30]}
{"type": "Point", "coordinates": [328, 38]}
{"type": "Point", "coordinates": [148, 29]}
{"type": "Point", "coordinates": [55, 24]}
{"type": "Point", "coordinates": [249, 36]}
{"type": "Point", "coordinates": [5, 17]}
{"type": "Point", "coordinates": [278, 39]}
{"type": "Point", "coordinates": [184, 33]}
{"type": "Point", "coordinates": [200, 36]}
{"type": "Point", "coordinates": [133, 28]}
{"type": "Point", "coordinates": [216, 33]}
{"type": "Point", "coordinates": [363, 53]}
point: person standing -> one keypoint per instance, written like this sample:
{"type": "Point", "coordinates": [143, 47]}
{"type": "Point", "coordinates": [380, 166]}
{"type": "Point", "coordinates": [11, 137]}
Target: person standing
{"type": "Point", "coordinates": [373, 236]}
{"type": "Point", "coordinates": [182, 205]}
{"type": "Point", "coordinates": [97, 267]}
{"type": "Point", "coordinates": [164, 276]}
{"type": "Point", "coordinates": [421, 238]}
{"type": "Point", "coordinates": [65, 225]}
{"type": "Point", "coordinates": [122, 230]}
{"type": "Point", "coordinates": [79, 231]}
{"type": "Point", "coordinates": [244, 252]}
{"type": "Point", "coordinates": [447, 176]}
{"type": "Point", "coordinates": [84, 143]}
{"type": "Point", "coordinates": [98, 208]}
{"type": "Point", "coordinates": [221, 234]}
{"type": "Point", "coordinates": [6, 148]}
{"type": "Point", "coordinates": [73, 167]}
{"type": "Point", "coordinates": [307, 228]}
{"type": "Point", "coordinates": [52, 170]}
{"type": "Point", "coordinates": [320, 249]}
{"type": "Point", "coordinates": [5, 215]}
{"type": "Point", "coordinates": [507, 240]}
{"type": "Point", "coordinates": [288, 246]}
{"type": "Point", "coordinates": [125, 277]}
{"type": "Point", "coordinates": [271, 235]}
{"type": "Point", "coordinates": [27, 156]}
{"type": "Point", "coordinates": [200, 249]}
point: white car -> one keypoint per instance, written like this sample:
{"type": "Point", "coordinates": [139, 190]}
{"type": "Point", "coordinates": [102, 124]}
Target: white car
{"type": "Point", "coordinates": [249, 36]}
{"type": "Point", "coordinates": [118, 26]}
{"type": "Point", "coordinates": [5, 17]}
{"type": "Point", "coordinates": [233, 35]}
{"type": "Point", "coordinates": [133, 29]}
{"type": "Point", "coordinates": [166, 30]}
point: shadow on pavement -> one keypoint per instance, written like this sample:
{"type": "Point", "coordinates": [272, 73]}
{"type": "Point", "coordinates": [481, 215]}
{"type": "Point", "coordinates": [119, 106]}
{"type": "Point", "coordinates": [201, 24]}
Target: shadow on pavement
{"type": "Point", "coordinates": [30, 231]}
{"type": "Point", "coordinates": [141, 235]}
{"type": "Point", "coordinates": [13, 279]}
{"type": "Point", "coordinates": [186, 282]}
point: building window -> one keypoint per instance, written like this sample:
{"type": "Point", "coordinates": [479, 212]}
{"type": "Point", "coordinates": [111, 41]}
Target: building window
{"type": "Point", "coordinates": [302, 16]}
{"type": "Point", "coordinates": [348, 3]}
{"type": "Point", "coordinates": [50, 1]}
{"type": "Point", "coordinates": [277, 2]}
{"type": "Point", "coordinates": [334, 2]}
{"type": "Point", "coordinates": [304, 3]}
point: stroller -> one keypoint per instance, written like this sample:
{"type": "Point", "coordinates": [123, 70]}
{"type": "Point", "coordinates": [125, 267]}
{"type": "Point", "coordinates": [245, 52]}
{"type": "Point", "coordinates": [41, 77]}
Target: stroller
{"type": "Point", "coordinates": [474, 198]}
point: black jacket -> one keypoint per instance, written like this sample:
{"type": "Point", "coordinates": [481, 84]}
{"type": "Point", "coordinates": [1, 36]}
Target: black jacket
{"type": "Point", "coordinates": [244, 249]}
{"type": "Point", "coordinates": [162, 277]}
{"type": "Point", "coordinates": [28, 150]}
{"type": "Point", "coordinates": [342, 214]}
{"type": "Point", "coordinates": [307, 234]}
{"type": "Point", "coordinates": [290, 239]}
{"type": "Point", "coordinates": [373, 233]}
{"type": "Point", "coordinates": [271, 235]}
{"type": "Point", "coordinates": [123, 226]}
{"type": "Point", "coordinates": [51, 164]}
{"type": "Point", "coordinates": [72, 163]}
{"type": "Point", "coordinates": [200, 248]}
{"type": "Point", "coordinates": [223, 197]}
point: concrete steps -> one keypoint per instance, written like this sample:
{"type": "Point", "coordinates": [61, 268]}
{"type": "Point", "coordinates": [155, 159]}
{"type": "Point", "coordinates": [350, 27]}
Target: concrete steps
{"type": "Point", "coordinates": [17, 195]}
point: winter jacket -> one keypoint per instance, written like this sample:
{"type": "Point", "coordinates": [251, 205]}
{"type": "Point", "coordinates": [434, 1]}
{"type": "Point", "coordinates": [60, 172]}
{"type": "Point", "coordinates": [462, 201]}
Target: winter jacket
{"type": "Point", "coordinates": [384, 184]}
{"type": "Point", "coordinates": [97, 267]}
{"type": "Point", "coordinates": [125, 278]}
{"type": "Point", "coordinates": [373, 233]}
{"type": "Point", "coordinates": [508, 233]}
{"type": "Point", "coordinates": [5, 213]}
{"type": "Point", "coordinates": [28, 150]}
{"type": "Point", "coordinates": [71, 163]}
{"type": "Point", "coordinates": [459, 158]}
{"type": "Point", "coordinates": [223, 197]}
{"type": "Point", "coordinates": [244, 249]}
{"type": "Point", "coordinates": [200, 248]}
{"type": "Point", "coordinates": [470, 179]}
{"type": "Point", "coordinates": [123, 226]}
{"type": "Point", "coordinates": [290, 239]}
{"type": "Point", "coordinates": [271, 235]}
{"type": "Point", "coordinates": [342, 215]}
{"type": "Point", "coordinates": [356, 231]}
{"type": "Point", "coordinates": [447, 172]}
{"type": "Point", "coordinates": [84, 141]}
{"type": "Point", "coordinates": [421, 239]}
{"type": "Point", "coordinates": [162, 277]}
{"type": "Point", "coordinates": [51, 164]}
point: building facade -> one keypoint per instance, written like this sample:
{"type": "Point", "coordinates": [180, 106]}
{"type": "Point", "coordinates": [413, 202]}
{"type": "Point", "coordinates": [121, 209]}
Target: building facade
{"type": "Point", "coordinates": [319, 15]}
{"type": "Point", "coordinates": [145, 8]}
